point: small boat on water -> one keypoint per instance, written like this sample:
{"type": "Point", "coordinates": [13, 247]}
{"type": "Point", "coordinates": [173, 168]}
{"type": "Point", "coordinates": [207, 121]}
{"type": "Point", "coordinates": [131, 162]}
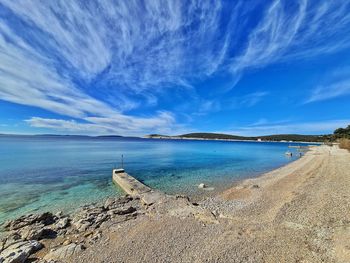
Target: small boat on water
{"type": "Point", "coordinates": [288, 153]}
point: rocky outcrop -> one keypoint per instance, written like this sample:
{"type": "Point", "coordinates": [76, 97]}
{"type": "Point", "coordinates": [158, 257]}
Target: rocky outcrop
{"type": "Point", "coordinates": [44, 219]}
{"type": "Point", "coordinates": [92, 217]}
{"type": "Point", "coordinates": [19, 252]}
{"type": "Point", "coordinates": [62, 223]}
{"type": "Point", "coordinates": [67, 235]}
{"type": "Point", "coordinates": [36, 232]}
{"type": "Point", "coordinates": [24, 233]}
{"type": "Point", "coordinates": [64, 252]}
{"type": "Point", "coordinates": [9, 240]}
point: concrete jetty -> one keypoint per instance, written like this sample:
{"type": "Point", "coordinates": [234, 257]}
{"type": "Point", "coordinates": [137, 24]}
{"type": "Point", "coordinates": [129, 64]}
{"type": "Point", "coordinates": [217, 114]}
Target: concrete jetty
{"type": "Point", "coordinates": [135, 188]}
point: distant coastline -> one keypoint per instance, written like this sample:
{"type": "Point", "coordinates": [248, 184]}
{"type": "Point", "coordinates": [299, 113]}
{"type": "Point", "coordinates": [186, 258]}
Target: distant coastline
{"type": "Point", "coordinates": [287, 138]}
{"type": "Point", "coordinates": [226, 140]}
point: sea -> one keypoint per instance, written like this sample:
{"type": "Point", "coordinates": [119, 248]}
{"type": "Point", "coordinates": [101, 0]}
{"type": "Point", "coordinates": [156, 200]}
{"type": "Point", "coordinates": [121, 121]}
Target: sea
{"type": "Point", "coordinates": [62, 173]}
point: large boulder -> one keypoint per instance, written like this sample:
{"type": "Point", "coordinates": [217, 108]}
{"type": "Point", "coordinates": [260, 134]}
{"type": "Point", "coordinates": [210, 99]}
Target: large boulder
{"type": "Point", "coordinates": [36, 232]}
{"type": "Point", "coordinates": [112, 203]}
{"type": "Point", "coordinates": [64, 251]}
{"type": "Point", "coordinates": [123, 210]}
{"type": "Point", "coordinates": [9, 240]}
{"type": "Point", "coordinates": [19, 251]}
{"type": "Point", "coordinates": [62, 223]}
{"type": "Point", "coordinates": [81, 225]}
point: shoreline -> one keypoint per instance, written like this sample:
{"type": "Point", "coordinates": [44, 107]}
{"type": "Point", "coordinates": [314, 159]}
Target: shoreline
{"type": "Point", "coordinates": [241, 189]}
{"type": "Point", "coordinates": [291, 213]}
{"type": "Point", "coordinates": [199, 196]}
{"type": "Point", "coordinates": [192, 191]}
{"type": "Point", "coordinates": [277, 173]}
{"type": "Point", "coordinates": [226, 140]}
{"type": "Point", "coordinates": [249, 179]}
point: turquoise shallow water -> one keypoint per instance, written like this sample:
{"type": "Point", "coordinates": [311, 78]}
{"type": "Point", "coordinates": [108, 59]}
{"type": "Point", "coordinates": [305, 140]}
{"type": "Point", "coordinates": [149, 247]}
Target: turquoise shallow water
{"type": "Point", "coordinates": [40, 174]}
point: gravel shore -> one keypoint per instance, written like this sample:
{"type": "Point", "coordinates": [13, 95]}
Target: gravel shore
{"type": "Point", "coordinates": [297, 213]}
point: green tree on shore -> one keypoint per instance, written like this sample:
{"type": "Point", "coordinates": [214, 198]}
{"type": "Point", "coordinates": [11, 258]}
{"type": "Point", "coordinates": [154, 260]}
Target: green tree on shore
{"type": "Point", "coordinates": [342, 133]}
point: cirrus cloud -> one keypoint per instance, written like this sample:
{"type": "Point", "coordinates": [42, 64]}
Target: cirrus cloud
{"type": "Point", "coordinates": [94, 62]}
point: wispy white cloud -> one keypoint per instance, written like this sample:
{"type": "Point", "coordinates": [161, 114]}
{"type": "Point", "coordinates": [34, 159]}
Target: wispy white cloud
{"type": "Point", "coordinates": [207, 106]}
{"type": "Point", "coordinates": [57, 55]}
{"type": "Point", "coordinates": [249, 100]}
{"type": "Point", "coordinates": [272, 36]}
{"type": "Point", "coordinates": [340, 88]}
{"type": "Point", "coordinates": [295, 30]}
{"type": "Point", "coordinates": [266, 122]}
{"type": "Point", "coordinates": [139, 45]}
{"type": "Point", "coordinates": [337, 84]}
{"type": "Point", "coordinates": [69, 126]}
{"type": "Point", "coordinates": [133, 47]}
{"type": "Point", "coordinates": [115, 124]}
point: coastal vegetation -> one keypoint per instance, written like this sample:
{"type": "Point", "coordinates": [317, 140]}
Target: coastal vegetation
{"type": "Point", "coordinates": [344, 143]}
{"type": "Point", "coordinates": [215, 136]}
{"type": "Point", "coordinates": [276, 137]}
{"type": "Point", "coordinates": [342, 133]}
{"type": "Point", "coordinates": [343, 136]}
{"type": "Point", "coordinates": [220, 136]}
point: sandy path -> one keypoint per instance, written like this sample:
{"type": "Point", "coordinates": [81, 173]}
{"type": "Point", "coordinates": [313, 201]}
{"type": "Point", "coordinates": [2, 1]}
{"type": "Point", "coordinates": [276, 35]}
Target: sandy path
{"type": "Point", "coordinates": [298, 213]}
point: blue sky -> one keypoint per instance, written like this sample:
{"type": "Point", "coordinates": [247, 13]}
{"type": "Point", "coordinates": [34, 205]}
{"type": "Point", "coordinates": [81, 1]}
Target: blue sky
{"type": "Point", "coordinates": [172, 67]}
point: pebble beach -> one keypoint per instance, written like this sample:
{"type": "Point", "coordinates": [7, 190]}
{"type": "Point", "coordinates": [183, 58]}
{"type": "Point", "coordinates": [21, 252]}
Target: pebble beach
{"type": "Point", "coordinates": [291, 214]}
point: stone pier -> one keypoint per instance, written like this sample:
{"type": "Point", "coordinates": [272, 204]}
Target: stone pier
{"type": "Point", "coordinates": [135, 188]}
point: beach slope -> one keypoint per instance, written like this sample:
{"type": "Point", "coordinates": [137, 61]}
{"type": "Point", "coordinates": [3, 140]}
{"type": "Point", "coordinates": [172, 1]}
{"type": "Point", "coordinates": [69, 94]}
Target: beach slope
{"type": "Point", "coordinates": [298, 213]}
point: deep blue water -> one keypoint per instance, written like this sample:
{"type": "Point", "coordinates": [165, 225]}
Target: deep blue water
{"type": "Point", "coordinates": [38, 174]}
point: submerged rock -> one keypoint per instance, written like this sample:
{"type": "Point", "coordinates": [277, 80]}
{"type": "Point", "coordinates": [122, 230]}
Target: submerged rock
{"type": "Point", "coordinates": [108, 203]}
{"type": "Point", "coordinates": [201, 186]}
{"type": "Point", "coordinates": [59, 214]}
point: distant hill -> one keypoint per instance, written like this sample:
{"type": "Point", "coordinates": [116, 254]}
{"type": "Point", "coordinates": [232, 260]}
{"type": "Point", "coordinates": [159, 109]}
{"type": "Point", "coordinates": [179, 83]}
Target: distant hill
{"type": "Point", "coordinates": [205, 135]}
{"type": "Point", "coordinates": [156, 135]}
{"type": "Point", "coordinates": [277, 137]}
{"type": "Point", "coordinates": [295, 137]}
